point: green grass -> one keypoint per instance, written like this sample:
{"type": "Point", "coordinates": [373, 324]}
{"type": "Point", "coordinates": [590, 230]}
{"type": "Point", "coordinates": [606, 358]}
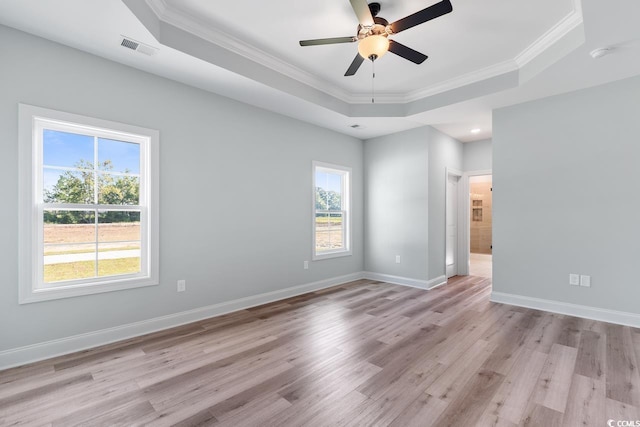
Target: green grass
{"type": "Point", "coordinates": [86, 251]}
{"type": "Point", "coordinates": [324, 220]}
{"type": "Point", "coordinates": [86, 269]}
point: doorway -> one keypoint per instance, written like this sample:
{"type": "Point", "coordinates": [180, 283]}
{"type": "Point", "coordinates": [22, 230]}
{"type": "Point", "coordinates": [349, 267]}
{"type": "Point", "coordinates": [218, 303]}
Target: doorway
{"type": "Point", "coordinates": [480, 225]}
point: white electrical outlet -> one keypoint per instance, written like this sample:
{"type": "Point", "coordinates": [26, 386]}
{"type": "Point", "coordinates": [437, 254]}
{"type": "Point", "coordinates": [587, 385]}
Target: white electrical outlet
{"type": "Point", "coordinates": [397, 259]}
{"type": "Point", "coordinates": [585, 281]}
{"type": "Point", "coordinates": [182, 285]}
{"type": "Point", "coordinates": [574, 279]}
{"type": "Point", "coordinates": [306, 265]}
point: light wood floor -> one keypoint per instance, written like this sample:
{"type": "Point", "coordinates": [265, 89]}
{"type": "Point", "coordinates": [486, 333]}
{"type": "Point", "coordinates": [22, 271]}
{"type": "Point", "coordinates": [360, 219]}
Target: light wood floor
{"type": "Point", "coordinates": [480, 265]}
{"type": "Point", "coordinates": [365, 353]}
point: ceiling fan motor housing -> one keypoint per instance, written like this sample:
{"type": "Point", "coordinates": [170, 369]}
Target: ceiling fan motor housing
{"type": "Point", "coordinates": [380, 27]}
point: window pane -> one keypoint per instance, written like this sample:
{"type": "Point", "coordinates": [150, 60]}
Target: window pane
{"type": "Point", "coordinates": [335, 221]}
{"type": "Point", "coordinates": [69, 226]}
{"type": "Point", "coordinates": [329, 181]}
{"type": "Point", "coordinates": [328, 240]}
{"type": "Point", "coordinates": [119, 226]}
{"type": "Point", "coordinates": [321, 199]}
{"type": "Point", "coordinates": [118, 258]}
{"type": "Point", "coordinates": [118, 156]}
{"type": "Point", "coordinates": [67, 149]}
{"type": "Point", "coordinates": [118, 189]}
{"type": "Point", "coordinates": [328, 191]}
{"type": "Point", "coordinates": [69, 262]}
{"type": "Point", "coordinates": [322, 221]}
{"type": "Point", "coordinates": [329, 232]}
{"type": "Point", "coordinates": [68, 186]}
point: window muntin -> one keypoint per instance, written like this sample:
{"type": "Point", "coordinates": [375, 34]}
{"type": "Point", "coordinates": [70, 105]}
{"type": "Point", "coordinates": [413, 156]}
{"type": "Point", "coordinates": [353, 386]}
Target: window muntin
{"type": "Point", "coordinates": [91, 194]}
{"type": "Point", "coordinates": [331, 227]}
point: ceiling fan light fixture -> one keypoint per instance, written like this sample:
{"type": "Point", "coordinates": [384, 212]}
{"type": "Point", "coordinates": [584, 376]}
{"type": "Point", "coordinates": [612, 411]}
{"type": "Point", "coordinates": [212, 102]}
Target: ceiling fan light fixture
{"type": "Point", "coordinates": [373, 47]}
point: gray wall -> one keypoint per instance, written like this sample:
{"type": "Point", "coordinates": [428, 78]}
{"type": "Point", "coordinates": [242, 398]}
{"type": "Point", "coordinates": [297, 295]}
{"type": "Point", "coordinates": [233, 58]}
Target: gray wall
{"type": "Point", "coordinates": [444, 152]}
{"type": "Point", "coordinates": [235, 190]}
{"type": "Point", "coordinates": [405, 201]}
{"type": "Point", "coordinates": [565, 180]}
{"type": "Point", "coordinates": [396, 204]}
{"type": "Point", "coordinates": [476, 155]}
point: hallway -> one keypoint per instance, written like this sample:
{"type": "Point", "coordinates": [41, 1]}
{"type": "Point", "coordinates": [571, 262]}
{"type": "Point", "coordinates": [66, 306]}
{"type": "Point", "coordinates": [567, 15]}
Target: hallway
{"type": "Point", "coordinates": [480, 265]}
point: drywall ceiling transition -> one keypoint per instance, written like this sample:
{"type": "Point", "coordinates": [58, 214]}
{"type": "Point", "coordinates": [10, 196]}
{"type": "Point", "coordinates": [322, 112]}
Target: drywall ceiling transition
{"type": "Point", "coordinates": [483, 55]}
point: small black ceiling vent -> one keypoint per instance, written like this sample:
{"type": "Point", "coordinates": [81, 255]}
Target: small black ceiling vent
{"type": "Point", "coordinates": [137, 46]}
{"type": "Point", "coordinates": [356, 126]}
{"type": "Point", "coordinates": [129, 43]}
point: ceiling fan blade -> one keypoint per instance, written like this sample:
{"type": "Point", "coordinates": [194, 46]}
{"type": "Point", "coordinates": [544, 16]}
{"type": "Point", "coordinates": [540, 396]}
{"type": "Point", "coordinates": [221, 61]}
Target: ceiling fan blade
{"type": "Point", "coordinates": [357, 62]}
{"type": "Point", "coordinates": [406, 52]}
{"type": "Point", "coordinates": [432, 12]}
{"type": "Point", "coordinates": [332, 40]}
{"type": "Point", "coordinates": [361, 8]}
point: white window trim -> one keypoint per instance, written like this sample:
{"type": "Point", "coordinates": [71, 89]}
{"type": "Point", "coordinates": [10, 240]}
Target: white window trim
{"type": "Point", "coordinates": [30, 206]}
{"type": "Point", "coordinates": [346, 207]}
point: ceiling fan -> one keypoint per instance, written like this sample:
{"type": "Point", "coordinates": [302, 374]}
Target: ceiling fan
{"type": "Point", "coordinates": [373, 33]}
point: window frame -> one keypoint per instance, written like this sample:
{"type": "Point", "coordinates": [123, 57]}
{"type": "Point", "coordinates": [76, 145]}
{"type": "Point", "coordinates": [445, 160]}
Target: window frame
{"type": "Point", "coordinates": [346, 172]}
{"type": "Point", "coordinates": [32, 122]}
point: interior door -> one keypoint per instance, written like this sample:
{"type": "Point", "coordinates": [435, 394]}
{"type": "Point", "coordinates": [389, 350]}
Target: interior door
{"type": "Point", "coordinates": [452, 226]}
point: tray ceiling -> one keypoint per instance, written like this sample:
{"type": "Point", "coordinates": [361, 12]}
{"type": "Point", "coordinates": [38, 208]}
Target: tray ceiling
{"type": "Point", "coordinates": [476, 42]}
{"type": "Point", "coordinates": [482, 56]}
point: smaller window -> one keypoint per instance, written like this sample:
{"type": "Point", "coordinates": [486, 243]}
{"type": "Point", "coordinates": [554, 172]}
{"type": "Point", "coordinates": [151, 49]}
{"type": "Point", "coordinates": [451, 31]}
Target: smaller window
{"type": "Point", "coordinates": [331, 211]}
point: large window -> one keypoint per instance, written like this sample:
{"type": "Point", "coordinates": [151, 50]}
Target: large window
{"type": "Point", "coordinates": [89, 201]}
{"type": "Point", "coordinates": [331, 215]}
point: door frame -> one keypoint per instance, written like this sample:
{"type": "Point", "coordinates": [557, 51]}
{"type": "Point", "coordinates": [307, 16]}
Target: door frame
{"type": "Point", "coordinates": [459, 219]}
{"type": "Point", "coordinates": [464, 255]}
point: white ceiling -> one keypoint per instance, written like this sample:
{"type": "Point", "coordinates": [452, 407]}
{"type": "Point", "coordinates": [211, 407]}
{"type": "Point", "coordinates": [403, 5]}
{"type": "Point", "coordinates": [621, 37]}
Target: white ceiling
{"type": "Point", "coordinates": [479, 41]}
{"type": "Point", "coordinates": [483, 55]}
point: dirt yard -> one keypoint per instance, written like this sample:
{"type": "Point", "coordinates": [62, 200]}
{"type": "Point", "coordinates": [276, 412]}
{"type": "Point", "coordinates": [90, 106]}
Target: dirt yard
{"type": "Point", "coordinates": [86, 233]}
{"type": "Point", "coordinates": [328, 237]}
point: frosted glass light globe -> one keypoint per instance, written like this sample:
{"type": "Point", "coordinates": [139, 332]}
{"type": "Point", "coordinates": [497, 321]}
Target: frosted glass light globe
{"type": "Point", "coordinates": [375, 46]}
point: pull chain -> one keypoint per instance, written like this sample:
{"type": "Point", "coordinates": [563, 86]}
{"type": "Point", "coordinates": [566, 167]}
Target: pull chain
{"type": "Point", "coordinates": [373, 79]}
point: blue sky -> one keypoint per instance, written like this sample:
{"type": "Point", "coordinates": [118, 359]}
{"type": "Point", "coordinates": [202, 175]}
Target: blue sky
{"type": "Point", "coordinates": [123, 155]}
{"type": "Point", "coordinates": [67, 149]}
{"type": "Point", "coordinates": [328, 181]}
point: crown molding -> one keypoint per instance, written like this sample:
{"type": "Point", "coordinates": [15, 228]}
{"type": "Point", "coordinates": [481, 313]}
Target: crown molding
{"type": "Point", "coordinates": [159, 7]}
{"type": "Point", "coordinates": [195, 26]}
{"type": "Point", "coordinates": [551, 36]}
{"type": "Point", "coordinates": [464, 80]}
{"type": "Point", "coordinates": [445, 86]}
{"type": "Point", "coordinates": [380, 97]}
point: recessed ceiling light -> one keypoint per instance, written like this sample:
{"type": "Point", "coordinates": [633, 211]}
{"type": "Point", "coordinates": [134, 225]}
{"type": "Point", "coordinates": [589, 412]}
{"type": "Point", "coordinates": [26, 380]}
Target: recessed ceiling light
{"type": "Point", "coordinates": [476, 130]}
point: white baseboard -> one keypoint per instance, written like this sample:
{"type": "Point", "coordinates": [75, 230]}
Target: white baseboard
{"type": "Point", "coordinates": [438, 281]}
{"type": "Point", "coordinates": [601, 314]}
{"type": "Point", "coordinates": [40, 351]}
{"type": "Point", "coordinates": [397, 280]}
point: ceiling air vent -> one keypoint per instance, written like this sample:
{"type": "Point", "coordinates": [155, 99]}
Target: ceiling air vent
{"type": "Point", "coordinates": [129, 43]}
{"type": "Point", "coordinates": [356, 126]}
{"type": "Point", "coordinates": [137, 46]}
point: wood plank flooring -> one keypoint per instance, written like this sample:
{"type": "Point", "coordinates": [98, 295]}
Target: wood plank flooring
{"type": "Point", "coordinates": [362, 354]}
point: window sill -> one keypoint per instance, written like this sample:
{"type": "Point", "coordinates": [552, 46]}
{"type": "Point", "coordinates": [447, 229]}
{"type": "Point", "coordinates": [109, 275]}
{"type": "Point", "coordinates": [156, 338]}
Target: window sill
{"type": "Point", "coordinates": [330, 255]}
{"type": "Point", "coordinates": [38, 295]}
